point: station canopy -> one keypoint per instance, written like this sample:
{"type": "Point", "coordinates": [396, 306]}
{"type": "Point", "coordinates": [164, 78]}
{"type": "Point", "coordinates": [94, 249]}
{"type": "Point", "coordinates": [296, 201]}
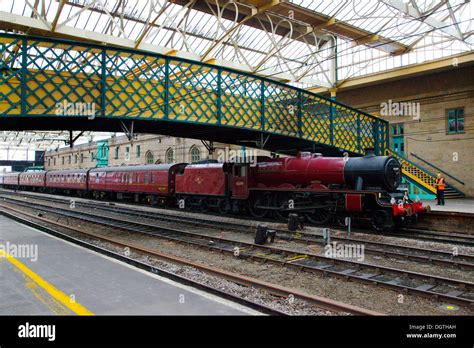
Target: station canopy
{"type": "Point", "coordinates": [305, 43]}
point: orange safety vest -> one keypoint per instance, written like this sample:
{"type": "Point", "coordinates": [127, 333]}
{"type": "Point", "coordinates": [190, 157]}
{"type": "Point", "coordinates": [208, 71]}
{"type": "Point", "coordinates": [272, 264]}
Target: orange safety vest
{"type": "Point", "coordinates": [440, 184]}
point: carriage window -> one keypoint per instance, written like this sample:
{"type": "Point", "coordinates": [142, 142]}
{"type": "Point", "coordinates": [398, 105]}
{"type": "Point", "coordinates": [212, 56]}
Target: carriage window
{"type": "Point", "coordinates": [146, 178]}
{"type": "Point", "coordinates": [97, 178]}
{"type": "Point", "coordinates": [130, 179]}
{"type": "Point", "coordinates": [152, 178]}
{"type": "Point", "coordinates": [137, 178]}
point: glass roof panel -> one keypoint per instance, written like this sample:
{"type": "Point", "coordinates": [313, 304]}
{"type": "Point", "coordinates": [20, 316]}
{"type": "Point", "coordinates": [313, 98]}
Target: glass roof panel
{"type": "Point", "coordinates": [369, 36]}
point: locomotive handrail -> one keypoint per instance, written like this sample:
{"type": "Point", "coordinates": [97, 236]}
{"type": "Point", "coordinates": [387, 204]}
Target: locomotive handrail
{"type": "Point", "coordinates": [38, 73]}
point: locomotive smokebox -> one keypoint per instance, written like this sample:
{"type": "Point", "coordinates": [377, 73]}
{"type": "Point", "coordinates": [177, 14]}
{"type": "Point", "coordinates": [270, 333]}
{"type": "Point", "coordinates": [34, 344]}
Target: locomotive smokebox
{"type": "Point", "coordinates": [375, 172]}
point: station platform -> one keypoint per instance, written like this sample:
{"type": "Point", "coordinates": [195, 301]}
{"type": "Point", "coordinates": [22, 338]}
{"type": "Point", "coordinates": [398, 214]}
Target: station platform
{"type": "Point", "coordinates": [458, 205]}
{"type": "Point", "coordinates": [51, 276]}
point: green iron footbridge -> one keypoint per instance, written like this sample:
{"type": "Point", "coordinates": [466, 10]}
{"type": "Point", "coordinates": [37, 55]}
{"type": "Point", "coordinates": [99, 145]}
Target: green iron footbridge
{"type": "Point", "coordinates": [153, 93]}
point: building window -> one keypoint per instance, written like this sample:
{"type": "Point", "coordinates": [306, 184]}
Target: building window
{"type": "Point", "coordinates": [149, 157]}
{"type": "Point", "coordinates": [54, 161]}
{"type": "Point", "coordinates": [82, 158]}
{"type": "Point", "coordinates": [49, 162]}
{"type": "Point", "coordinates": [195, 154]}
{"type": "Point", "coordinates": [138, 151]}
{"type": "Point", "coordinates": [170, 155]}
{"type": "Point", "coordinates": [456, 120]}
{"type": "Point", "coordinates": [397, 129]}
{"type": "Point", "coordinates": [63, 160]}
{"type": "Point", "coordinates": [117, 149]}
{"type": "Point", "coordinates": [75, 159]}
{"type": "Point", "coordinates": [127, 153]}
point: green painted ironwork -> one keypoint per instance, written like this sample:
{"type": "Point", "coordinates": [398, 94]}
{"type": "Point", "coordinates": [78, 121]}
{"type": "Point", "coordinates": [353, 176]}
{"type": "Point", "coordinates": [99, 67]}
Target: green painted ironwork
{"type": "Point", "coordinates": [39, 73]}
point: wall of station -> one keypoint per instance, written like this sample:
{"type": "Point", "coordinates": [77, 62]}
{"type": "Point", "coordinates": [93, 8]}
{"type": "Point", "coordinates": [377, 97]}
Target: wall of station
{"type": "Point", "coordinates": [144, 149]}
{"type": "Point", "coordinates": [439, 128]}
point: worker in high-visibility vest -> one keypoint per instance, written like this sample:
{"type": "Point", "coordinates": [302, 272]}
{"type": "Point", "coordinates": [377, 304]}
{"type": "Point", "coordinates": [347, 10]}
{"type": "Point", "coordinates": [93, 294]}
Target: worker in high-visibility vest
{"type": "Point", "coordinates": [440, 187]}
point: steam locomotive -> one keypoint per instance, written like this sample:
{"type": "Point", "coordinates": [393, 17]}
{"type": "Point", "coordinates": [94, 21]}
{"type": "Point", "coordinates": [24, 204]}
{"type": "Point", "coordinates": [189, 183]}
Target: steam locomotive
{"type": "Point", "coordinates": [322, 189]}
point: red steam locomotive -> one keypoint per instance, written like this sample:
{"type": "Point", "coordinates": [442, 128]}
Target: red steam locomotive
{"type": "Point", "coordinates": [322, 189]}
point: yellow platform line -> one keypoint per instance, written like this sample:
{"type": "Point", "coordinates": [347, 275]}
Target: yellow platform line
{"type": "Point", "coordinates": [50, 289]}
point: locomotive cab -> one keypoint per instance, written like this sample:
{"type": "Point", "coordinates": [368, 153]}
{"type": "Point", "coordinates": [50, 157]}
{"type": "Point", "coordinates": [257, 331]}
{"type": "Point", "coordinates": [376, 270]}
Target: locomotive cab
{"type": "Point", "coordinates": [240, 180]}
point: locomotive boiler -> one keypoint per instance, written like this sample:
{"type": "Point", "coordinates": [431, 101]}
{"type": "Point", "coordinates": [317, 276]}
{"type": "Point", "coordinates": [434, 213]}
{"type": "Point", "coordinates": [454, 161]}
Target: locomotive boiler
{"type": "Point", "coordinates": [375, 172]}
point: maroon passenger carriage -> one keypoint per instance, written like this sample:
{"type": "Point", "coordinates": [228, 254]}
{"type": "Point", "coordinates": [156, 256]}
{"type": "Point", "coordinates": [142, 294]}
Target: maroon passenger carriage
{"type": "Point", "coordinates": [32, 180]}
{"type": "Point", "coordinates": [73, 181]}
{"type": "Point", "coordinates": [154, 184]}
{"type": "Point", "coordinates": [10, 180]}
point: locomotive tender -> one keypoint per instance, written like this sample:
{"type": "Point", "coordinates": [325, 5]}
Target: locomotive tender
{"type": "Point", "coordinates": [322, 189]}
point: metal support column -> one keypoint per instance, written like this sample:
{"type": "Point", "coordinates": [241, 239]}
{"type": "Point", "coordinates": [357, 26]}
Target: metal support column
{"type": "Point", "coordinates": [167, 88]}
{"type": "Point", "coordinates": [103, 77]}
{"type": "Point", "coordinates": [219, 96]}
{"type": "Point", "coordinates": [24, 72]}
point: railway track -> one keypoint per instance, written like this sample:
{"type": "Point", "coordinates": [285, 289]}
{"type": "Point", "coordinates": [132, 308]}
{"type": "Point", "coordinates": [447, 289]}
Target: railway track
{"type": "Point", "coordinates": [435, 236]}
{"type": "Point", "coordinates": [276, 290]}
{"type": "Point", "coordinates": [429, 256]}
{"type": "Point", "coordinates": [446, 289]}
{"type": "Point", "coordinates": [410, 233]}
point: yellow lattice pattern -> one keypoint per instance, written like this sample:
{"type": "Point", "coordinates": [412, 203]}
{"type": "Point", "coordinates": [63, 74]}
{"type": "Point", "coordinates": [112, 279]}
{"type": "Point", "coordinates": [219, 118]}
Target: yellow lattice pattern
{"type": "Point", "coordinates": [415, 173]}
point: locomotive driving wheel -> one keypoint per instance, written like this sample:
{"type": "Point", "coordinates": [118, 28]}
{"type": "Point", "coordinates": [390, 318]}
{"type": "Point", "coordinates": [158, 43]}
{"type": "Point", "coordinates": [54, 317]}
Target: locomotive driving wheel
{"type": "Point", "coordinates": [203, 205]}
{"type": "Point", "coordinates": [255, 203]}
{"type": "Point", "coordinates": [381, 221]}
{"type": "Point", "coordinates": [282, 200]}
{"type": "Point", "coordinates": [319, 216]}
{"type": "Point", "coordinates": [341, 220]}
{"type": "Point", "coordinates": [224, 207]}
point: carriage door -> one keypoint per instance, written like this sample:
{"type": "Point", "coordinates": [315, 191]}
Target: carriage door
{"type": "Point", "coordinates": [240, 181]}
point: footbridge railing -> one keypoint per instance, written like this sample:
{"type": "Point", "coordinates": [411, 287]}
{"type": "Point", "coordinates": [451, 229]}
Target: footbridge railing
{"type": "Point", "coordinates": [51, 77]}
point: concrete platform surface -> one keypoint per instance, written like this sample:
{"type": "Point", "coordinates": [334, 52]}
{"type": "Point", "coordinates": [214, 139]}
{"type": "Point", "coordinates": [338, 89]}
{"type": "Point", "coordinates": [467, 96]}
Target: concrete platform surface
{"type": "Point", "coordinates": [47, 276]}
{"type": "Point", "coordinates": [459, 205]}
